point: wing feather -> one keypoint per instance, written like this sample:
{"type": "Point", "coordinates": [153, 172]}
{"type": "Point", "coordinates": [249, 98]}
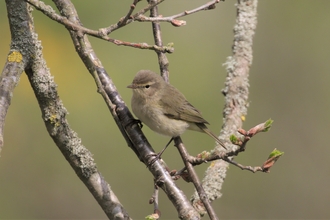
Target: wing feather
{"type": "Point", "coordinates": [176, 106]}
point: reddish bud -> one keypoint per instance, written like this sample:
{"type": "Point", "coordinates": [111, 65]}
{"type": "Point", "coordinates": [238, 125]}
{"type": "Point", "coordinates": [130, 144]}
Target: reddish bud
{"type": "Point", "coordinates": [178, 23]}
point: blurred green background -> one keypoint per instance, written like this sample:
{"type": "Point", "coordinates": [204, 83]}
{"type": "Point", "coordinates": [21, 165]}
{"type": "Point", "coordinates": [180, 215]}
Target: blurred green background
{"type": "Point", "coordinates": [289, 82]}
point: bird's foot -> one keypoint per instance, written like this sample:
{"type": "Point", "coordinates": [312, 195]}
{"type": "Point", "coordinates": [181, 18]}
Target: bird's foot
{"type": "Point", "coordinates": [134, 121]}
{"type": "Point", "coordinates": [153, 158]}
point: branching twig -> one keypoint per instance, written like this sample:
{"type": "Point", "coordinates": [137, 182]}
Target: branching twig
{"type": "Point", "coordinates": [101, 33]}
{"type": "Point", "coordinates": [160, 49]}
{"type": "Point", "coordinates": [128, 15]}
{"type": "Point", "coordinates": [120, 24]}
{"type": "Point", "coordinates": [241, 142]}
{"type": "Point", "coordinates": [222, 156]}
{"type": "Point", "coordinates": [228, 157]}
{"type": "Point", "coordinates": [172, 19]}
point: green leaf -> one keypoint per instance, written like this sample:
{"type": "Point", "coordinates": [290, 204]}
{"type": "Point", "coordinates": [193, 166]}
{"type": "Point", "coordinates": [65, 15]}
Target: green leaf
{"type": "Point", "coordinates": [233, 139]}
{"type": "Point", "coordinates": [275, 153]}
{"type": "Point", "coordinates": [268, 124]}
{"type": "Point", "coordinates": [152, 217]}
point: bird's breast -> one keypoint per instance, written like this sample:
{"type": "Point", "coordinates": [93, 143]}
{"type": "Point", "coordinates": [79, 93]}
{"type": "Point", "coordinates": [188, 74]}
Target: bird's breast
{"type": "Point", "coordinates": [152, 115]}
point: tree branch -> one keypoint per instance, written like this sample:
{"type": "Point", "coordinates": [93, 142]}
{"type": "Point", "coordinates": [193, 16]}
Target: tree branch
{"type": "Point", "coordinates": [123, 20]}
{"type": "Point", "coordinates": [31, 60]}
{"type": "Point", "coordinates": [101, 33]}
{"type": "Point", "coordinates": [205, 156]}
{"type": "Point", "coordinates": [120, 24]}
{"type": "Point", "coordinates": [8, 81]}
{"type": "Point", "coordinates": [172, 19]}
{"type": "Point", "coordinates": [162, 59]}
{"type": "Point", "coordinates": [235, 91]}
{"type": "Point", "coordinates": [194, 178]}
{"type": "Point", "coordinates": [136, 139]}
{"type": "Point", "coordinates": [163, 64]}
{"type": "Point", "coordinates": [18, 57]}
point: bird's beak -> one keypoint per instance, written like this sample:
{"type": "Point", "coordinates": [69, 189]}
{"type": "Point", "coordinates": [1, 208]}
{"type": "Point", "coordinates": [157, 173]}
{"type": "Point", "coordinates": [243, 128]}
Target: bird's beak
{"type": "Point", "coordinates": [132, 86]}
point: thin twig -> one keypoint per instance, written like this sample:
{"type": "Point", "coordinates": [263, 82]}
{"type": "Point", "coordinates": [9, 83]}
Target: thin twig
{"type": "Point", "coordinates": [172, 19]}
{"type": "Point", "coordinates": [155, 200]}
{"type": "Point", "coordinates": [194, 178]}
{"type": "Point", "coordinates": [222, 156]}
{"type": "Point", "coordinates": [228, 157]}
{"type": "Point", "coordinates": [120, 24]}
{"type": "Point", "coordinates": [128, 15]}
{"type": "Point", "coordinates": [162, 59]}
{"type": "Point", "coordinates": [249, 168]}
{"type": "Point", "coordinates": [101, 33]}
{"type": "Point", "coordinates": [241, 142]}
{"type": "Point", "coordinates": [160, 49]}
{"type": "Point", "coordinates": [163, 64]}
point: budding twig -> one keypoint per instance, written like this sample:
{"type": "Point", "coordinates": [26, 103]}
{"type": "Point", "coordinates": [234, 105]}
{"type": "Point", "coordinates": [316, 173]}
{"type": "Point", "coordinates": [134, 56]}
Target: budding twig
{"type": "Point", "coordinates": [102, 32]}
{"type": "Point", "coordinates": [131, 9]}
{"type": "Point", "coordinates": [172, 19]}
{"type": "Point", "coordinates": [205, 157]}
{"type": "Point", "coordinates": [154, 200]}
{"type": "Point", "coordinates": [120, 24]}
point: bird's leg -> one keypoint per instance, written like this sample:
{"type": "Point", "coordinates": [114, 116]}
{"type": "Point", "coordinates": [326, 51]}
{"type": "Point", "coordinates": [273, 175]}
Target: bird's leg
{"type": "Point", "coordinates": [162, 151]}
{"type": "Point", "coordinates": [158, 155]}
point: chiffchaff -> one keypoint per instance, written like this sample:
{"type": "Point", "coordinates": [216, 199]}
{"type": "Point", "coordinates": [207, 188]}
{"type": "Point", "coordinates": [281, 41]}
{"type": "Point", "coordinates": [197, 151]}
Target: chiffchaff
{"type": "Point", "coordinates": [163, 108]}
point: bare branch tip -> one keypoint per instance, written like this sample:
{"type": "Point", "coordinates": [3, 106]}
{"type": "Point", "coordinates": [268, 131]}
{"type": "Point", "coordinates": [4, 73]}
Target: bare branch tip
{"type": "Point", "coordinates": [213, 6]}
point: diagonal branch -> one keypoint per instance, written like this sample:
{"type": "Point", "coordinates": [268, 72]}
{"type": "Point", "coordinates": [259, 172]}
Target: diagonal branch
{"type": "Point", "coordinates": [135, 138]}
{"type": "Point", "coordinates": [194, 178]}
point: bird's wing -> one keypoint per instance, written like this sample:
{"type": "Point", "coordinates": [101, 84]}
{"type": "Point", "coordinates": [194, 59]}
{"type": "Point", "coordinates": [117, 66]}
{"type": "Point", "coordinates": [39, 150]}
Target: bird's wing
{"type": "Point", "coordinates": [176, 106]}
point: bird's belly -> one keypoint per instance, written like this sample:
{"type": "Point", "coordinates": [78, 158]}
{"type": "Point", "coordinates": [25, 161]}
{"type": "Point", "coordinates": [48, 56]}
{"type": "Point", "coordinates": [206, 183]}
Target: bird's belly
{"type": "Point", "coordinates": [158, 122]}
{"type": "Point", "coordinates": [169, 127]}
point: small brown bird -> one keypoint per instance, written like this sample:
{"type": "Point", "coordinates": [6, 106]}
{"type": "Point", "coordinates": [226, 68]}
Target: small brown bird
{"type": "Point", "coordinates": [163, 108]}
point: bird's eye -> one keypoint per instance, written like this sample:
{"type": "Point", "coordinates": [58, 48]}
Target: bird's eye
{"type": "Point", "coordinates": [147, 86]}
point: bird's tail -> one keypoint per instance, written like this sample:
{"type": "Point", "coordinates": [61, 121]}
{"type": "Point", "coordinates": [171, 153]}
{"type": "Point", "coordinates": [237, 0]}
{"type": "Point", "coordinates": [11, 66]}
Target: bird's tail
{"type": "Point", "coordinates": [207, 131]}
